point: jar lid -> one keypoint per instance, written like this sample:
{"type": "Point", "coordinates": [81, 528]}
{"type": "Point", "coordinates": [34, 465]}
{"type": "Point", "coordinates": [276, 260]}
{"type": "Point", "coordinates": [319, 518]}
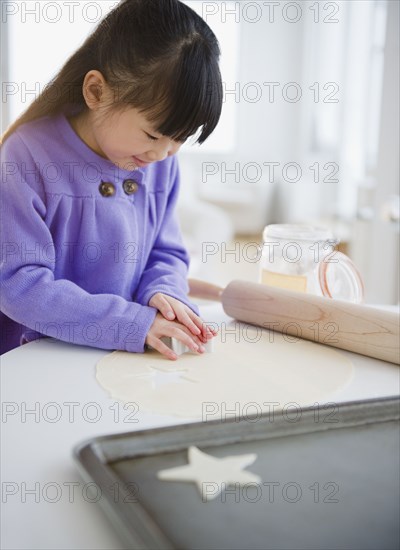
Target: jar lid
{"type": "Point", "coordinates": [297, 232]}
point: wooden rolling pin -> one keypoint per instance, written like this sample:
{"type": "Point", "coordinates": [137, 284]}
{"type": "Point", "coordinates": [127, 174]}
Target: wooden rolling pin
{"type": "Point", "coordinates": [353, 327]}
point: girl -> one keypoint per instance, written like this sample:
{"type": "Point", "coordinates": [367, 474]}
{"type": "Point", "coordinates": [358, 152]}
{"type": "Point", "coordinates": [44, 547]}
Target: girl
{"type": "Point", "coordinates": [91, 250]}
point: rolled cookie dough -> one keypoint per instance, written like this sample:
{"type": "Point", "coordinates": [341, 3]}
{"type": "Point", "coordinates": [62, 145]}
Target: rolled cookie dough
{"type": "Point", "coordinates": [250, 371]}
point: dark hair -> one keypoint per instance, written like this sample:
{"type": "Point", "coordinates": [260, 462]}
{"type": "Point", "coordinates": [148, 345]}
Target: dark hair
{"type": "Point", "coordinates": [158, 56]}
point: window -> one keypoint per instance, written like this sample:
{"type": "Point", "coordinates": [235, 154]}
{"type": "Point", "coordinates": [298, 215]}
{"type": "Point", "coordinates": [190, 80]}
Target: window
{"type": "Point", "coordinates": [41, 37]}
{"type": "Point", "coordinates": [343, 124]}
{"type": "Point", "coordinates": [227, 31]}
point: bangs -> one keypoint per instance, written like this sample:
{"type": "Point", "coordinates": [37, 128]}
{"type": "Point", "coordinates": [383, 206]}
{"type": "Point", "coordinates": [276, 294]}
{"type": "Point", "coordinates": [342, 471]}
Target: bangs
{"type": "Point", "coordinates": [182, 95]}
{"type": "Point", "coordinates": [191, 101]}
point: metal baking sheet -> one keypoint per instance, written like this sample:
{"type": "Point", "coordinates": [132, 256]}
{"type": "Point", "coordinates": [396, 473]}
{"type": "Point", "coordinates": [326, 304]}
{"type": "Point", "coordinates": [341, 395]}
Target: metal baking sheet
{"type": "Point", "coordinates": [330, 479]}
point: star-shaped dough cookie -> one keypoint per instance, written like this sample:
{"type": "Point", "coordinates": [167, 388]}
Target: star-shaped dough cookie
{"type": "Point", "coordinates": [212, 474]}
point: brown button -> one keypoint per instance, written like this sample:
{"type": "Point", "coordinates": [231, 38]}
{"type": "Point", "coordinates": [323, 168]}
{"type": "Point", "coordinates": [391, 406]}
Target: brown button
{"type": "Point", "coordinates": [130, 186]}
{"type": "Point", "coordinates": [107, 189]}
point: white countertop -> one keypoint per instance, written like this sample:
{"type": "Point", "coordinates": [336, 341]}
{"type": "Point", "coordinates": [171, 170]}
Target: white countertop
{"type": "Point", "coordinates": [45, 503]}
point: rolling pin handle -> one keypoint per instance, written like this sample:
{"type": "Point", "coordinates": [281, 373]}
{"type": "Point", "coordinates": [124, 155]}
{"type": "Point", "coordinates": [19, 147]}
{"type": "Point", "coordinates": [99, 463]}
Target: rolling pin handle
{"type": "Point", "coordinates": [205, 290]}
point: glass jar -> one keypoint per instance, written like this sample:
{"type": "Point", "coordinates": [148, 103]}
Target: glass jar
{"type": "Point", "coordinates": [303, 258]}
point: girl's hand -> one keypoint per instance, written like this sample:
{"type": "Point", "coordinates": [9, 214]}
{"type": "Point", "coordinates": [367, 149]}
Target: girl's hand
{"type": "Point", "coordinates": [173, 329]}
{"type": "Point", "coordinates": [171, 309]}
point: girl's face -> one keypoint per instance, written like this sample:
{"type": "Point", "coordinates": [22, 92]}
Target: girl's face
{"type": "Point", "coordinates": [127, 138]}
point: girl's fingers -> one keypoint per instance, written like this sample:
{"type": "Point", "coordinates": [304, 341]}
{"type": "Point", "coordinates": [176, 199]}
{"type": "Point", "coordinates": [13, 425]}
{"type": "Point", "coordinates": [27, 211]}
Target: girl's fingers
{"type": "Point", "coordinates": [186, 316]}
{"type": "Point", "coordinates": [158, 301]}
{"type": "Point", "coordinates": [203, 327]}
{"type": "Point", "coordinates": [182, 334]}
{"type": "Point", "coordinates": [209, 331]}
{"type": "Point", "coordinates": [158, 345]}
{"type": "Point", "coordinates": [187, 327]}
{"type": "Point", "coordinates": [179, 332]}
{"type": "Point", "coordinates": [174, 309]}
{"type": "Point", "coordinates": [190, 322]}
{"type": "Point", "coordinates": [206, 331]}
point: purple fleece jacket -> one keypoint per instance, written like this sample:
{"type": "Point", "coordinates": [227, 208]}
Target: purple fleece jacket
{"type": "Point", "coordinates": [77, 265]}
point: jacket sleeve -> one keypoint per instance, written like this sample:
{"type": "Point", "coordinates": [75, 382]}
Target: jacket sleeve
{"type": "Point", "coordinates": [167, 266]}
{"type": "Point", "coordinates": [30, 294]}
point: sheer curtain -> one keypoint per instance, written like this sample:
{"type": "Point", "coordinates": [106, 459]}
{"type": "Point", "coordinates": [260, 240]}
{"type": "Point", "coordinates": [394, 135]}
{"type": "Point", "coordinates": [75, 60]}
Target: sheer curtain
{"type": "Point", "coordinates": [341, 120]}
